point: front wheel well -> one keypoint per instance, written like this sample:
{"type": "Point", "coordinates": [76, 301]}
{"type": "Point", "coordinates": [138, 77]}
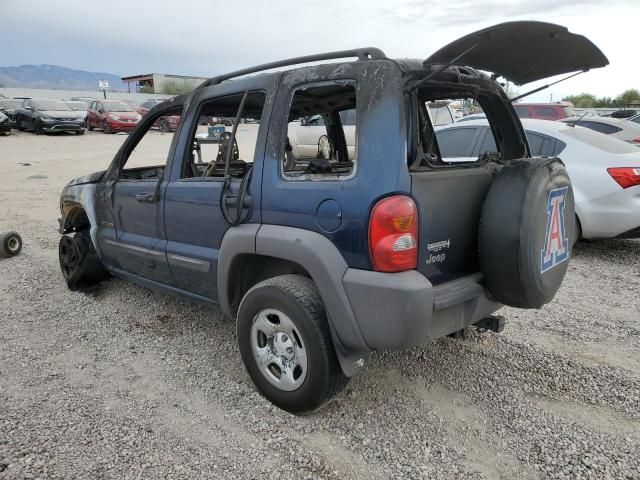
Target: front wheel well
{"type": "Point", "coordinates": [75, 220]}
{"type": "Point", "coordinates": [248, 270]}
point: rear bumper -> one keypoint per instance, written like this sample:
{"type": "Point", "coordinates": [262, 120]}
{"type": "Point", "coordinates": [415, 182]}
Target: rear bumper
{"type": "Point", "coordinates": [398, 310]}
{"type": "Point", "coordinates": [612, 215]}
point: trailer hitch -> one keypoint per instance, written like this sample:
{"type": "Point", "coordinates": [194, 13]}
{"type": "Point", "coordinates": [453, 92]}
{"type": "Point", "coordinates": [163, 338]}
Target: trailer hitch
{"type": "Point", "coordinates": [495, 323]}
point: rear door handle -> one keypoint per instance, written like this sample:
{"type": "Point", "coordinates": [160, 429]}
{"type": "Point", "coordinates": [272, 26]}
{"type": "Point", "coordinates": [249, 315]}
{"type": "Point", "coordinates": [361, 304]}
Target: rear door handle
{"type": "Point", "coordinates": [145, 197]}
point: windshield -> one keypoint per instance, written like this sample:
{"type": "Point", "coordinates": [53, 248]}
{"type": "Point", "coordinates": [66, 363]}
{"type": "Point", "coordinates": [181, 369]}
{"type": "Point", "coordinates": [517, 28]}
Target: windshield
{"type": "Point", "coordinates": [51, 105]}
{"type": "Point", "coordinates": [10, 103]}
{"type": "Point", "coordinates": [117, 107]}
{"type": "Point", "coordinates": [598, 140]}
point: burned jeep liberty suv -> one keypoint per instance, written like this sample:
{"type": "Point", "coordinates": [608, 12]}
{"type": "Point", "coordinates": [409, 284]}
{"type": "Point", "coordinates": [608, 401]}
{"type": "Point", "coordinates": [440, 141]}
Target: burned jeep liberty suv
{"type": "Point", "coordinates": [353, 235]}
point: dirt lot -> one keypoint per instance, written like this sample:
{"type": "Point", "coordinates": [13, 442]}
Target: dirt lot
{"type": "Point", "coordinates": [128, 383]}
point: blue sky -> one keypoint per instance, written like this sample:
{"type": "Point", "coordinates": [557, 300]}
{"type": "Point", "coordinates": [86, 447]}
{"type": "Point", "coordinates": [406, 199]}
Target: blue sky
{"type": "Point", "coordinates": [203, 38]}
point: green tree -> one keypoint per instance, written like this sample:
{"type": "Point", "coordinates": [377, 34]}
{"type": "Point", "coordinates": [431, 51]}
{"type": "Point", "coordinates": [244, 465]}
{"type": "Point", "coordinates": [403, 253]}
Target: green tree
{"type": "Point", "coordinates": [628, 96]}
{"type": "Point", "coordinates": [604, 102]}
{"type": "Point", "coordinates": [584, 100]}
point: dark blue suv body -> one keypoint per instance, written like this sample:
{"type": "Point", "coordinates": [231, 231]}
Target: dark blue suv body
{"type": "Point", "coordinates": [368, 240]}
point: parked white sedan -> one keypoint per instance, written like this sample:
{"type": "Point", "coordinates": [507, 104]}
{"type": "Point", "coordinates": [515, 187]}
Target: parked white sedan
{"type": "Point", "coordinates": [620, 128]}
{"type": "Point", "coordinates": [604, 171]}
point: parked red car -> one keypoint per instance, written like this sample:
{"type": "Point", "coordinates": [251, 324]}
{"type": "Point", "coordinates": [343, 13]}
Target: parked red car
{"type": "Point", "coordinates": [545, 111]}
{"type": "Point", "coordinates": [165, 124]}
{"type": "Point", "coordinates": [112, 116]}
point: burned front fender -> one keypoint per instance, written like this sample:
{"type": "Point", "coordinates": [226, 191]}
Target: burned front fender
{"type": "Point", "coordinates": [78, 209]}
{"type": "Point", "coordinates": [89, 178]}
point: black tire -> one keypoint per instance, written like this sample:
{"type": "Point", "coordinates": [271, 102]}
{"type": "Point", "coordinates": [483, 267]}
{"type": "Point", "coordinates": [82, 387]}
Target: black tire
{"type": "Point", "coordinates": [80, 132]}
{"type": "Point", "coordinates": [79, 262]}
{"type": "Point", "coordinates": [89, 126]}
{"type": "Point", "coordinates": [298, 299]}
{"type": "Point", "coordinates": [514, 232]}
{"type": "Point", "coordinates": [577, 231]}
{"type": "Point", "coordinates": [10, 244]}
{"type": "Point", "coordinates": [106, 128]}
{"type": "Point", "coordinates": [37, 127]}
{"type": "Point", "coordinates": [19, 126]}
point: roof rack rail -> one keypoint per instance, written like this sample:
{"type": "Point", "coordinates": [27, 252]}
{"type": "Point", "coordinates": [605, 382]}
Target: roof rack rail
{"type": "Point", "coordinates": [370, 53]}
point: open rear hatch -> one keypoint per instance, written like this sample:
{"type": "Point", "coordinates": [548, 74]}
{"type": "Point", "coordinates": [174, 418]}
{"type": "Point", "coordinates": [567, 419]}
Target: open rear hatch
{"type": "Point", "coordinates": [522, 52]}
{"type": "Point", "coordinates": [449, 195]}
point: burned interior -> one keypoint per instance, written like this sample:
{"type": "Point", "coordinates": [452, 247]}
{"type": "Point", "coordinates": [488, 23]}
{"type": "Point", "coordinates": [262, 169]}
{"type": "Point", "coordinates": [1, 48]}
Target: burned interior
{"type": "Point", "coordinates": [321, 134]}
{"type": "Point", "coordinates": [459, 84]}
{"type": "Point", "coordinates": [207, 157]}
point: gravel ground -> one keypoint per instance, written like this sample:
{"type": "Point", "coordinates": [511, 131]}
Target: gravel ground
{"type": "Point", "coordinates": [124, 382]}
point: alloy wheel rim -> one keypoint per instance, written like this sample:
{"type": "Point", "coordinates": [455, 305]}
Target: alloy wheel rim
{"type": "Point", "coordinates": [278, 349]}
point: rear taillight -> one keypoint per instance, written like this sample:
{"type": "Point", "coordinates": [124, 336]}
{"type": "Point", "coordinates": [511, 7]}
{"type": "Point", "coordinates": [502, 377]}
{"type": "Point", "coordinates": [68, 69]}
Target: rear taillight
{"type": "Point", "coordinates": [636, 140]}
{"type": "Point", "coordinates": [625, 176]}
{"type": "Point", "coordinates": [393, 234]}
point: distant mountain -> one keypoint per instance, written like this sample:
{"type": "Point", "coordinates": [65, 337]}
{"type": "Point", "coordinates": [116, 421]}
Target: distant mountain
{"type": "Point", "coordinates": [56, 77]}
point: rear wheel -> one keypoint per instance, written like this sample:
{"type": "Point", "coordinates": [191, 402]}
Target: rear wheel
{"type": "Point", "coordinates": [80, 132]}
{"type": "Point", "coordinates": [89, 126]}
{"type": "Point", "coordinates": [106, 128]}
{"type": "Point", "coordinates": [79, 262]}
{"type": "Point", "coordinates": [286, 345]}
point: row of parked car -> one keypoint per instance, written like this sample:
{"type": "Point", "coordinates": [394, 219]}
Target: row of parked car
{"type": "Point", "coordinates": [77, 114]}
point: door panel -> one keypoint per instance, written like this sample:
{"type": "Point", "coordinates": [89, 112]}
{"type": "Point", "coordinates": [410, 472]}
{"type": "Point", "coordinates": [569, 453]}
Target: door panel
{"type": "Point", "coordinates": [195, 227]}
{"type": "Point", "coordinates": [139, 243]}
{"type": "Point", "coordinates": [130, 204]}
{"type": "Point", "coordinates": [194, 222]}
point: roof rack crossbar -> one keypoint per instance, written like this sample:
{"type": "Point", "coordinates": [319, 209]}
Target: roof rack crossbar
{"type": "Point", "coordinates": [370, 53]}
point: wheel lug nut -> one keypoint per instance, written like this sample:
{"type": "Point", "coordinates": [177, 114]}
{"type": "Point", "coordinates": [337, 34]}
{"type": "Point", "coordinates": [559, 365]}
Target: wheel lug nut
{"type": "Point", "coordinates": [284, 338]}
{"type": "Point", "coordinates": [289, 349]}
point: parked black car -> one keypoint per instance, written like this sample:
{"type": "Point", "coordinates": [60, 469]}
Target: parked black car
{"type": "Point", "coordinates": [49, 116]}
{"type": "Point", "coordinates": [5, 124]}
{"type": "Point", "coordinates": [8, 107]}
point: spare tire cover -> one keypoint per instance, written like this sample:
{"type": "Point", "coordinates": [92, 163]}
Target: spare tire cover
{"type": "Point", "coordinates": [525, 232]}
